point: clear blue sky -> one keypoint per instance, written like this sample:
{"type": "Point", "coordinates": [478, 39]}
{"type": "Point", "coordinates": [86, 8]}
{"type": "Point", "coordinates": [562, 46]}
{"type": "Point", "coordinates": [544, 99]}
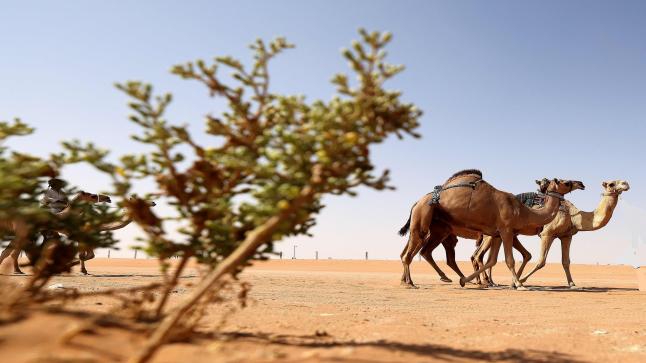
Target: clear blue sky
{"type": "Point", "coordinates": [521, 90]}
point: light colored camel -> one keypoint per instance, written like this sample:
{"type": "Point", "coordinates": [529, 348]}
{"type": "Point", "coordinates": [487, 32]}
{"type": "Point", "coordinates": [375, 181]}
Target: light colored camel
{"type": "Point", "coordinates": [469, 203]}
{"type": "Point", "coordinates": [571, 221]}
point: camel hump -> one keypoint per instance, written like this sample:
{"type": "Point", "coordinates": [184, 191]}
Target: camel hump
{"type": "Point", "coordinates": [475, 173]}
{"type": "Point", "coordinates": [467, 172]}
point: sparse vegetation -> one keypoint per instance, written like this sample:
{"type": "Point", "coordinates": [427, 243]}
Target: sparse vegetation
{"type": "Point", "coordinates": [259, 178]}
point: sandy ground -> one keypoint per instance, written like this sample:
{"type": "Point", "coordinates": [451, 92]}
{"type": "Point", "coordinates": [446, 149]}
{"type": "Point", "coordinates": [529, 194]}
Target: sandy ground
{"type": "Point", "coordinates": [356, 311]}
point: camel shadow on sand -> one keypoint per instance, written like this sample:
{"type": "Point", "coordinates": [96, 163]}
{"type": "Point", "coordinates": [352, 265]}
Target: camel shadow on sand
{"type": "Point", "coordinates": [426, 351]}
{"type": "Point", "coordinates": [474, 287]}
{"type": "Point", "coordinates": [101, 275]}
{"type": "Point", "coordinates": [557, 289]}
{"type": "Point", "coordinates": [580, 289]}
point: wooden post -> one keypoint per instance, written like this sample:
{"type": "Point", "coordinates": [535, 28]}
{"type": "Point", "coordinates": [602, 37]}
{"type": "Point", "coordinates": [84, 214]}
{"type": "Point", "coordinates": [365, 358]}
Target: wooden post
{"type": "Point", "coordinates": [135, 254]}
{"type": "Point", "coordinates": [366, 255]}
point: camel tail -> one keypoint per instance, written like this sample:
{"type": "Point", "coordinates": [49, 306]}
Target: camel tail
{"type": "Point", "coordinates": [404, 229]}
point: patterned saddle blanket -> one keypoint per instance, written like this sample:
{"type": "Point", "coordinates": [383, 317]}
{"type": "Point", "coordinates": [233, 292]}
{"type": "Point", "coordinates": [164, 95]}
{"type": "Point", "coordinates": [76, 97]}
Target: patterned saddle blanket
{"type": "Point", "coordinates": [532, 199]}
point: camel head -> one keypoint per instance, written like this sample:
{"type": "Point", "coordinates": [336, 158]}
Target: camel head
{"type": "Point", "coordinates": [93, 198]}
{"type": "Point", "coordinates": [542, 185]}
{"type": "Point", "coordinates": [615, 187]}
{"type": "Point", "coordinates": [563, 186]}
{"type": "Point", "coordinates": [134, 198]}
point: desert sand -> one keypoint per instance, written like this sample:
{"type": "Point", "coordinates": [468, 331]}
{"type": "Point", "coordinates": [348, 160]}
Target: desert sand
{"type": "Point", "coordinates": [356, 311]}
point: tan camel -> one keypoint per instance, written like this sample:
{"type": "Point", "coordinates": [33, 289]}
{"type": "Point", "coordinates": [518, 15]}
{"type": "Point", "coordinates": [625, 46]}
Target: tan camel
{"type": "Point", "coordinates": [571, 221]}
{"type": "Point", "coordinates": [469, 203]}
{"type": "Point", "coordinates": [14, 252]}
{"type": "Point", "coordinates": [533, 200]}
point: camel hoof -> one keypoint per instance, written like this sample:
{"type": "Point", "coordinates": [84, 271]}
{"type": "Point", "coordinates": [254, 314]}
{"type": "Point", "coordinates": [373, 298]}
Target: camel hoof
{"type": "Point", "coordinates": [521, 288]}
{"type": "Point", "coordinates": [574, 287]}
{"type": "Point", "coordinates": [445, 279]}
{"type": "Point", "coordinates": [18, 272]}
{"type": "Point", "coordinates": [409, 285]}
{"type": "Point", "coordinates": [462, 281]}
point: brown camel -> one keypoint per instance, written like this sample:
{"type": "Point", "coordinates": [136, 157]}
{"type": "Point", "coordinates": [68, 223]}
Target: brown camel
{"type": "Point", "coordinates": [469, 203]}
{"type": "Point", "coordinates": [14, 248]}
{"type": "Point", "coordinates": [450, 242]}
{"type": "Point", "coordinates": [570, 221]}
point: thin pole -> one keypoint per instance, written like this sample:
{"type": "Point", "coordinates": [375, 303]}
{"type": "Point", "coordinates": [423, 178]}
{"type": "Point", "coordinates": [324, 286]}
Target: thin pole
{"type": "Point", "coordinates": [366, 255]}
{"type": "Point", "coordinates": [135, 254]}
{"type": "Point", "coordinates": [294, 256]}
{"type": "Point", "coordinates": [108, 253]}
{"type": "Point", "coordinates": [317, 255]}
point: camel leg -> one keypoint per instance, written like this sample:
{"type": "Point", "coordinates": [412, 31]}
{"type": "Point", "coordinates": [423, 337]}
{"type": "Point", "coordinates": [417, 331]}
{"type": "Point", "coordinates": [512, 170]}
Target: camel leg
{"type": "Point", "coordinates": [82, 260]}
{"type": "Point", "coordinates": [526, 255]}
{"type": "Point", "coordinates": [14, 253]}
{"type": "Point", "coordinates": [493, 256]}
{"type": "Point", "coordinates": [85, 255]}
{"type": "Point", "coordinates": [565, 259]}
{"type": "Point", "coordinates": [508, 245]}
{"type": "Point", "coordinates": [449, 247]}
{"type": "Point", "coordinates": [478, 261]}
{"type": "Point", "coordinates": [419, 234]}
{"type": "Point", "coordinates": [427, 253]}
{"type": "Point", "coordinates": [415, 243]}
{"type": "Point", "coordinates": [475, 264]}
{"type": "Point", "coordinates": [546, 243]}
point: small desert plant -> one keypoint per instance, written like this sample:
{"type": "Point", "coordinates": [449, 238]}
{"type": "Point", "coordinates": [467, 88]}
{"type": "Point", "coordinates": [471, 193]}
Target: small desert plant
{"type": "Point", "coordinates": [261, 170]}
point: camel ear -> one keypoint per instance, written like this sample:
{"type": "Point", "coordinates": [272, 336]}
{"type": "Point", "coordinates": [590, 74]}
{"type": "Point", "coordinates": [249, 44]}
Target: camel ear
{"type": "Point", "coordinates": [604, 184]}
{"type": "Point", "coordinates": [538, 182]}
{"type": "Point", "coordinates": [556, 181]}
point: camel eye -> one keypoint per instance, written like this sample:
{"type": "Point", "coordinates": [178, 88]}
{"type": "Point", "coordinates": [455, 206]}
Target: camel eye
{"type": "Point", "coordinates": [612, 185]}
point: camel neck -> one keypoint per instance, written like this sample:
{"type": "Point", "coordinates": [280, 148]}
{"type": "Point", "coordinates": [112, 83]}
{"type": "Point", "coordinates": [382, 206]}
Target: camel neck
{"type": "Point", "coordinates": [545, 214]}
{"type": "Point", "coordinates": [602, 214]}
